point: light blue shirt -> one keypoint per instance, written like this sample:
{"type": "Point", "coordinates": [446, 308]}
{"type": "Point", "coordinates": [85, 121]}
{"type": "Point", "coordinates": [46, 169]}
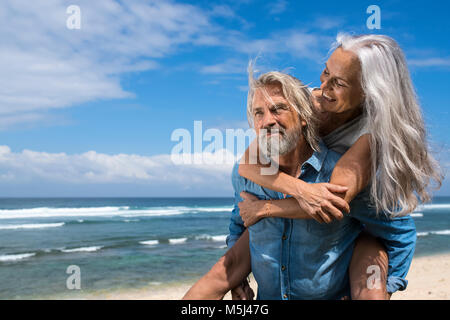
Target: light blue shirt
{"type": "Point", "coordinates": [297, 258]}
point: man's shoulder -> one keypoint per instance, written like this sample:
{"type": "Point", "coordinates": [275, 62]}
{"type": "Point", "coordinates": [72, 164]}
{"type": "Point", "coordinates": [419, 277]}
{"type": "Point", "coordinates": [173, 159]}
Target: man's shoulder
{"type": "Point", "coordinates": [332, 156]}
{"type": "Point", "coordinates": [329, 161]}
{"type": "Point", "coordinates": [243, 184]}
{"type": "Point", "coordinates": [329, 156]}
{"type": "Point", "coordinates": [235, 171]}
{"type": "Point", "coordinates": [236, 179]}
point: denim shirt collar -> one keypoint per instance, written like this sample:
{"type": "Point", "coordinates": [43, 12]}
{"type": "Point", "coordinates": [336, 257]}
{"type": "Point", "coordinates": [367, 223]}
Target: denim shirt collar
{"type": "Point", "coordinates": [317, 158]}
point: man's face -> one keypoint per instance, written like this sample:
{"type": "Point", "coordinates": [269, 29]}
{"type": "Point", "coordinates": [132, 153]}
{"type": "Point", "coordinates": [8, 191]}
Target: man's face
{"type": "Point", "coordinates": [277, 123]}
{"type": "Point", "coordinates": [341, 86]}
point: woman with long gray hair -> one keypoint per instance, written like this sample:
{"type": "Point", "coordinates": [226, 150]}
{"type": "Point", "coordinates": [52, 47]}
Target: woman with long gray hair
{"type": "Point", "coordinates": [369, 112]}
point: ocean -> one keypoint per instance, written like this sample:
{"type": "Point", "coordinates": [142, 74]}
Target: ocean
{"type": "Point", "coordinates": [120, 243]}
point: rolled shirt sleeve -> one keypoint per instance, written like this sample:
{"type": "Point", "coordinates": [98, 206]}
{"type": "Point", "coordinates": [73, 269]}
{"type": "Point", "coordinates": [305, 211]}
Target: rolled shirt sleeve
{"type": "Point", "coordinates": [236, 227]}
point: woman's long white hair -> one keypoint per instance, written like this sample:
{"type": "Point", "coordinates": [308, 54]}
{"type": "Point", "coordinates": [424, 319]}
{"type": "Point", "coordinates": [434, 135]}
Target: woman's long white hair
{"type": "Point", "coordinates": [402, 166]}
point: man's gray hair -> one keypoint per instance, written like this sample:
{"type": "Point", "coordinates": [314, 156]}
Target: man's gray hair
{"type": "Point", "coordinates": [295, 92]}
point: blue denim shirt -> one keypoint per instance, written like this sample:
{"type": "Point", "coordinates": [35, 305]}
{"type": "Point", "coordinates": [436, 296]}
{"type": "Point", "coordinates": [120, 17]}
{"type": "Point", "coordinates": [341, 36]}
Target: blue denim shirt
{"type": "Point", "coordinates": [302, 259]}
{"type": "Point", "coordinates": [297, 258]}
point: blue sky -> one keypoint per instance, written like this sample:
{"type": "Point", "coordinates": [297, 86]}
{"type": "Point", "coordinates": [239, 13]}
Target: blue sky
{"type": "Point", "coordinates": [90, 111]}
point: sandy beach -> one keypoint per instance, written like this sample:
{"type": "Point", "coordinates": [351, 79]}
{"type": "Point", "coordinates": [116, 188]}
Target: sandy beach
{"type": "Point", "coordinates": [429, 279]}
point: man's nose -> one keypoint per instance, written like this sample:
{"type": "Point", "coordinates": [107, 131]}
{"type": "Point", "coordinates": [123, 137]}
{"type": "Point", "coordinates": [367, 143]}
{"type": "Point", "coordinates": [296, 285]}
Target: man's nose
{"type": "Point", "coordinates": [268, 120]}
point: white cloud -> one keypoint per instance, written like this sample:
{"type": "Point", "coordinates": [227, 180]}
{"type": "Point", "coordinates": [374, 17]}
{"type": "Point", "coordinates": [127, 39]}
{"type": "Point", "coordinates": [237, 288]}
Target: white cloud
{"type": "Point", "coordinates": [328, 22]}
{"type": "Point", "coordinates": [430, 62]}
{"type": "Point", "coordinates": [90, 168]}
{"type": "Point", "coordinates": [45, 65]}
{"type": "Point", "coordinates": [11, 120]}
{"type": "Point", "coordinates": [277, 7]}
{"type": "Point", "coordinates": [227, 67]}
{"type": "Point", "coordinates": [300, 44]}
{"type": "Point", "coordinates": [223, 11]}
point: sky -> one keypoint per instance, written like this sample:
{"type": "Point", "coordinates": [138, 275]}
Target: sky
{"type": "Point", "coordinates": [91, 109]}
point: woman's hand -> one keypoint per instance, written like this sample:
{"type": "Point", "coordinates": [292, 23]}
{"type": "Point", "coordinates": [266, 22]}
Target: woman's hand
{"type": "Point", "coordinates": [251, 209]}
{"type": "Point", "coordinates": [319, 201]}
{"type": "Point", "coordinates": [242, 292]}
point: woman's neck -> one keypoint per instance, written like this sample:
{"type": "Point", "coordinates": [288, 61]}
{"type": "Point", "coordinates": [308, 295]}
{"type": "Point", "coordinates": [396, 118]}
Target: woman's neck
{"type": "Point", "coordinates": [331, 121]}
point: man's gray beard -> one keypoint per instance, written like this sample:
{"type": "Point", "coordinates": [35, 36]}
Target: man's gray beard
{"type": "Point", "coordinates": [279, 145]}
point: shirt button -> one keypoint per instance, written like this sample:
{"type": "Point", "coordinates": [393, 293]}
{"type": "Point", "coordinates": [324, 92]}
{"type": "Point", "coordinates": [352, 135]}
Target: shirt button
{"type": "Point", "coordinates": [285, 296]}
{"type": "Point", "coordinates": [284, 237]}
{"type": "Point", "coordinates": [283, 268]}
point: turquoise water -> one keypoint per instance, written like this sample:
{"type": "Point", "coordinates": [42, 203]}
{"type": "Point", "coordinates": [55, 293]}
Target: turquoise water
{"type": "Point", "coordinates": [134, 242]}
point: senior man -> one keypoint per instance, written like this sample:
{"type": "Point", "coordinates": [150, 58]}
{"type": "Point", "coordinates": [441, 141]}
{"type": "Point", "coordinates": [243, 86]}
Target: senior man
{"type": "Point", "coordinates": [290, 258]}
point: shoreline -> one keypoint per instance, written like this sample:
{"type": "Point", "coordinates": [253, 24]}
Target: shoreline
{"type": "Point", "coordinates": [428, 279]}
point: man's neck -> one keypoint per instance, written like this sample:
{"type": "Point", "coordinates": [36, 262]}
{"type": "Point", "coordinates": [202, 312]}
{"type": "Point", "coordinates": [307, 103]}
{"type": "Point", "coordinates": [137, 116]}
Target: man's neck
{"type": "Point", "coordinates": [290, 162]}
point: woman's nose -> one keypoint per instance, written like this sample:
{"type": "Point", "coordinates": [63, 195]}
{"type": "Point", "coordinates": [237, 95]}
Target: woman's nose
{"type": "Point", "coordinates": [324, 85]}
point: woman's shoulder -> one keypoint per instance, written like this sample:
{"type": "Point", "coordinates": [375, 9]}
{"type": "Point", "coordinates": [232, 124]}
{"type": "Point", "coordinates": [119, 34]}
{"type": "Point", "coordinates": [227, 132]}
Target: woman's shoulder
{"type": "Point", "coordinates": [342, 138]}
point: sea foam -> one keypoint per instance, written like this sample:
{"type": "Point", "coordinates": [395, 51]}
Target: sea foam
{"type": "Point", "coordinates": [82, 249]}
{"type": "Point", "coordinates": [220, 238]}
{"type": "Point", "coordinates": [45, 212]}
{"type": "Point", "coordinates": [30, 226]}
{"type": "Point", "coordinates": [15, 257]}
{"type": "Point", "coordinates": [432, 206]}
{"type": "Point", "coordinates": [177, 241]}
{"type": "Point", "coordinates": [123, 211]}
{"type": "Point", "coordinates": [149, 242]}
{"type": "Point", "coordinates": [438, 232]}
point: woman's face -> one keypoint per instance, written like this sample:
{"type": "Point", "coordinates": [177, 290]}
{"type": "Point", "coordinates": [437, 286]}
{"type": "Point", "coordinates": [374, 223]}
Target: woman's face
{"type": "Point", "coordinates": [341, 84]}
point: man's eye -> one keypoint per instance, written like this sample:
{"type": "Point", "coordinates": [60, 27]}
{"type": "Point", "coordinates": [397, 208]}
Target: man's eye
{"type": "Point", "coordinates": [281, 107]}
{"type": "Point", "coordinates": [275, 110]}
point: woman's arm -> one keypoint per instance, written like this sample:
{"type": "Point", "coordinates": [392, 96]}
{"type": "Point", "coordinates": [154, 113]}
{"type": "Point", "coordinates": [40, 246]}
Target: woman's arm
{"type": "Point", "coordinates": [252, 209]}
{"type": "Point", "coordinates": [354, 168]}
{"type": "Point", "coordinates": [317, 200]}
{"type": "Point", "coordinates": [226, 274]}
{"type": "Point", "coordinates": [312, 200]}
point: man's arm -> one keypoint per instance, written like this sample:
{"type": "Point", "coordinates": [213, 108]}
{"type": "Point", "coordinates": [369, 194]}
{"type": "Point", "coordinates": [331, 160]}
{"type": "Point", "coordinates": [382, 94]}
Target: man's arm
{"type": "Point", "coordinates": [236, 227]}
{"type": "Point", "coordinates": [230, 271]}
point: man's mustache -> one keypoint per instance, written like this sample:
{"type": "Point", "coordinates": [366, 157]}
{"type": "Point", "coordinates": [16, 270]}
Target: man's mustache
{"type": "Point", "coordinates": [271, 130]}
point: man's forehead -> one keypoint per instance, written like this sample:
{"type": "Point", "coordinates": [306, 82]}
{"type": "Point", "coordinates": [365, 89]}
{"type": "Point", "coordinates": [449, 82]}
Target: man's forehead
{"type": "Point", "coordinates": [268, 93]}
{"type": "Point", "coordinates": [272, 89]}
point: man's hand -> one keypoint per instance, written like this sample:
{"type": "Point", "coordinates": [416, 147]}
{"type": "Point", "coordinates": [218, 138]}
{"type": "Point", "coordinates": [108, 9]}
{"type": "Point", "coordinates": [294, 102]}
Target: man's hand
{"type": "Point", "coordinates": [320, 203]}
{"type": "Point", "coordinates": [251, 209]}
{"type": "Point", "coordinates": [242, 292]}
